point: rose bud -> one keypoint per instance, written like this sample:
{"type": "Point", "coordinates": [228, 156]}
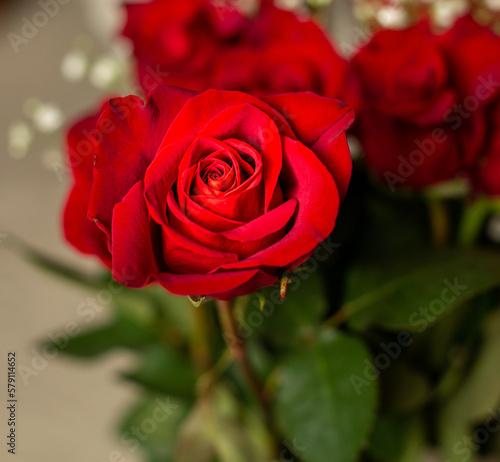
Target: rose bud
{"type": "Point", "coordinates": [219, 193]}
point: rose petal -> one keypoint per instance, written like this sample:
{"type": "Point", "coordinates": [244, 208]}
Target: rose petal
{"type": "Point", "coordinates": [320, 123]}
{"type": "Point", "coordinates": [135, 240]}
{"type": "Point", "coordinates": [161, 175]}
{"type": "Point", "coordinates": [221, 286]}
{"type": "Point", "coordinates": [186, 256]}
{"type": "Point", "coordinates": [203, 108]}
{"type": "Point", "coordinates": [79, 230]}
{"type": "Point", "coordinates": [133, 132]}
{"type": "Point", "coordinates": [244, 240]}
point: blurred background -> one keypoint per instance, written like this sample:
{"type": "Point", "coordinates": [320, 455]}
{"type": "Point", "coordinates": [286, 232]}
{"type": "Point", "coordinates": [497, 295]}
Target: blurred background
{"type": "Point", "coordinates": [67, 409]}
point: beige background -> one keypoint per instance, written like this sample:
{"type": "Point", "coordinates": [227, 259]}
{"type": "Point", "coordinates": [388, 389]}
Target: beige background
{"type": "Point", "coordinates": [68, 411]}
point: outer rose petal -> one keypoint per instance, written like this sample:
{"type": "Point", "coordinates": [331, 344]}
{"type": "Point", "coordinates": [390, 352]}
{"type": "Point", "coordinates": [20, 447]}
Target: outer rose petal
{"type": "Point", "coordinates": [320, 123]}
{"type": "Point", "coordinates": [79, 230]}
{"type": "Point", "coordinates": [221, 286]}
{"type": "Point", "coordinates": [201, 109]}
{"type": "Point", "coordinates": [136, 240]}
{"type": "Point", "coordinates": [133, 132]}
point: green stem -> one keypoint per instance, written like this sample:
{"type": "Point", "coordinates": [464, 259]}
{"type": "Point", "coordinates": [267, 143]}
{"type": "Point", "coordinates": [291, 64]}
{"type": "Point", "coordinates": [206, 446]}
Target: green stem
{"type": "Point", "coordinates": [439, 221]}
{"type": "Point", "coordinates": [238, 352]}
{"type": "Point", "coordinates": [472, 220]}
{"type": "Point", "coordinates": [200, 347]}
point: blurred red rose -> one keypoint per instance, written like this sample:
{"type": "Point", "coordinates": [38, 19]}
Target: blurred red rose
{"type": "Point", "coordinates": [216, 193]}
{"type": "Point", "coordinates": [486, 175]}
{"type": "Point", "coordinates": [202, 44]}
{"type": "Point", "coordinates": [401, 85]}
{"type": "Point", "coordinates": [474, 56]}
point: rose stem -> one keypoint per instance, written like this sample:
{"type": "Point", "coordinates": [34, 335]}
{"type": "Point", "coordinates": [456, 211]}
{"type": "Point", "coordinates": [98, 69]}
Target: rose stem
{"type": "Point", "coordinates": [439, 221]}
{"type": "Point", "coordinates": [200, 346]}
{"type": "Point", "coordinates": [238, 352]}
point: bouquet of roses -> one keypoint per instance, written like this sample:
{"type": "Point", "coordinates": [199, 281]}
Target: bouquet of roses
{"type": "Point", "coordinates": [288, 300]}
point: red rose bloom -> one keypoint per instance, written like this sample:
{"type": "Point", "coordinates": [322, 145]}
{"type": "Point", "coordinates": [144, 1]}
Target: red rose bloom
{"type": "Point", "coordinates": [406, 98]}
{"type": "Point", "coordinates": [474, 56]}
{"type": "Point", "coordinates": [217, 193]}
{"type": "Point", "coordinates": [198, 44]}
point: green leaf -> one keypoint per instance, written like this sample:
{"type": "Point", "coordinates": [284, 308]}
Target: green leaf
{"type": "Point", "coordinates": [414, 291]}
{"type": "Point", "coordinates": [324, 401]}
{"type": "Point", "coordinates": [282, 321]}
{"type": "Point", "coordinates": [52, 265]}
{"type": "Point", "coordinates": [478, 399]}
{"type": "Point", "coordinates": [165, 370]}
{"type": "Point", "coordinates": [121, 332]}
{"type": "Point", "coordinates": [153, 425]}
{"type": "Point", "coordinates": [173, 310]}
{"type": "Point", "coordinates": [397, 439]}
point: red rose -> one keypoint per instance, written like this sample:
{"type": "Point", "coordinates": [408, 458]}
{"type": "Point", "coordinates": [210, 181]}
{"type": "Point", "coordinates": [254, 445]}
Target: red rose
{"type": "Point", "coordinates": [217, 193]}
{"type": "Point", "coordinates": [206, 44]}
{"type": "Point", "coordinates": [474, 56]}
{"type": "Point", "coordinates": [407, 107]}
{"type": "Point", "coordinates": [486, 177]}
{"type": "Point", "coordinates": [280, 53]}
{"type": "Point", "coordinates": [81, 232]}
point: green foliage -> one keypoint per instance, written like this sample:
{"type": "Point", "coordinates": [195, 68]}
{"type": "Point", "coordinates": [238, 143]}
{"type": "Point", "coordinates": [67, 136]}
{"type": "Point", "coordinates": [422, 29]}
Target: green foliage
{"type": "Point", "coordinates": [153, 425]}
{"type": "Point", "coordinates": [218, 427]}
{"type": "Point", "coordinates": [121, 332]}
{"type": "Point", "coordinates": [165, 370]}
{"type": "Point", "coordinates": [415, 290]}
{"type": "Point", "coordinates": [397, 439]}
{"type": "Point", "coordinates": [283, 322]}
{"type": "Point", "coordinates": [477, 400]}
{"type": "Point", "coordinates": [318, 402]}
